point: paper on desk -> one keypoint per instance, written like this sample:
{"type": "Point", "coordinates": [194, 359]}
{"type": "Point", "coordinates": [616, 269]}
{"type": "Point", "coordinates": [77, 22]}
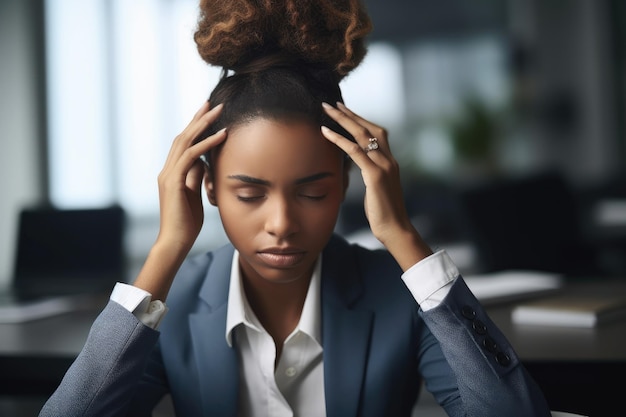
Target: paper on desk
{"type": "Point", "coordinates": [584, 310]}
{"type": "Point", "coordinates": [512, 284]}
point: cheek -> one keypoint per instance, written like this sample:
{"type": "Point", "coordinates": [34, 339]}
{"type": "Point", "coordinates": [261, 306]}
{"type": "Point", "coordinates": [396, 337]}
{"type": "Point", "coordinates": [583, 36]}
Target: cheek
{"type": "Point", "coordinates": [233, 211]}
{"type": "Point", "coordinates": [239, 226]}
{"type": "Point", "coordinates": [322, 217]}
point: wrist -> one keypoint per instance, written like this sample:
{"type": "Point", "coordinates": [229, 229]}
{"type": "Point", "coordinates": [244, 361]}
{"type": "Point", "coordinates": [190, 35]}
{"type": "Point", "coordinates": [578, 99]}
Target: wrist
{"type": "Point", "coordinates": [407, 247]}
{"type": "Point", "coordinates": [159, 269]}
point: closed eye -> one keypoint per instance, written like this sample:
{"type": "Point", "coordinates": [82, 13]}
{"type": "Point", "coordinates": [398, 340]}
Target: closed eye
{"type": "Point", "coordinates": [249, 199]}
{"type": "Point", "coordinates": [314, 197]}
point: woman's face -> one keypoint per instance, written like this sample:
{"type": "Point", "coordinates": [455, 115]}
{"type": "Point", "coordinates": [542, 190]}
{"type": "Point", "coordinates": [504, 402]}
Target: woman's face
{"type": "Point", "coordinates": [278, 187]}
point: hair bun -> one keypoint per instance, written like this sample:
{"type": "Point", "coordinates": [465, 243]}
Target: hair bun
{"type": "Point", "coordinates": [328, 33]}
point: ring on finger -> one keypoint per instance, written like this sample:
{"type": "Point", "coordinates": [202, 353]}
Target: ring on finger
{"type": "Point", "coordinates": [372, 146]}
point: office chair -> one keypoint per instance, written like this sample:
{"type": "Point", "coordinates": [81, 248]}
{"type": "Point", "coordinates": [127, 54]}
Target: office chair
{"type": "Point", "coordinates": [528, 222]}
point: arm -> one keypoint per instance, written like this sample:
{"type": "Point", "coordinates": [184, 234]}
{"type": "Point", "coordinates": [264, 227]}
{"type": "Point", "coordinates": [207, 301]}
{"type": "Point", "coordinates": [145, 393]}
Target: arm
{"type": "Point", "coordinates": [485, 383]}
{"type": "Point", "coordinates": [180, 204]}
{"type": "Point", "coordinates": [490, 377]}
{"type": "Point", "coordinates": [105, 377]}
{"type": "Point", "coordinates": [468, 345]}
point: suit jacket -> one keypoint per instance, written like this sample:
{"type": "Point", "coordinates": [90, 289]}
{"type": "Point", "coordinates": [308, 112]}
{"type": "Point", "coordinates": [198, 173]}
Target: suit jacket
{"type": "Point", "coordinates": [378, 345]}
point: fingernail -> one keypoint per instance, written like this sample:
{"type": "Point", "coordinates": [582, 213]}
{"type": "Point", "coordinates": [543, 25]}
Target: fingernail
{"type": "Point", "coordinates": [340, 104]}
{"type": "Point", "coordinates": [326, 105]}
{"type": "Point", "coordinates": [325, 129]}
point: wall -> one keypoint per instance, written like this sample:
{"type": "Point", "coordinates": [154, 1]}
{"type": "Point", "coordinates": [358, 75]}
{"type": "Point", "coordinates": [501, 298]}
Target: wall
{"type": "Point", "coordinates": [20, 120]}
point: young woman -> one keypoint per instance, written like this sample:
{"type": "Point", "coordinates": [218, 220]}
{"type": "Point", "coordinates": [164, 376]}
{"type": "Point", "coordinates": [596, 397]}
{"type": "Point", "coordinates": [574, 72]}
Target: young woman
{"type": "Point", "coordinates": [289, 319]}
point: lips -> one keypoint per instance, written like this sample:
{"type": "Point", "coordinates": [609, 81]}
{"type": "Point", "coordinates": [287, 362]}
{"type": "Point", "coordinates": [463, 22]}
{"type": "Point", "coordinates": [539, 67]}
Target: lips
{"type": "Point", "coordinates": [281, 258]}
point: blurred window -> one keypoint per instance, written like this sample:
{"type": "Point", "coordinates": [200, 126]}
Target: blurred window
{"type": "Point", "coordinates": [124, 78]}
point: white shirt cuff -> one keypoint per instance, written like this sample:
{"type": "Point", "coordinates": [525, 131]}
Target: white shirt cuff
{"type": "Point", "coordinates": [139, 302]}
{"type": "Point", "coordinates": [430, 279]}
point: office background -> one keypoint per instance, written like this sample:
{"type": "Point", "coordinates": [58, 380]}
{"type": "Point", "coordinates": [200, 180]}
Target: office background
{"type": "Point", "coordinates": [473, 91]}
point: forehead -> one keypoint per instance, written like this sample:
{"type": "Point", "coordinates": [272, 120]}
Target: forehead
{"type": "Point", "coordinates": [267, 147]}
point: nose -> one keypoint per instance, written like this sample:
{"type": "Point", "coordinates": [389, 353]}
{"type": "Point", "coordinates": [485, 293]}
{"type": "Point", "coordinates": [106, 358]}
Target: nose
{"type": "Point", "coordinates": [282, 219]}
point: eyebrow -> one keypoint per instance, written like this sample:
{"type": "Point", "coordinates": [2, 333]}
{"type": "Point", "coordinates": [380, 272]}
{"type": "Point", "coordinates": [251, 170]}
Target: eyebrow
{"type": "Point", "coordinates": [258, 181]}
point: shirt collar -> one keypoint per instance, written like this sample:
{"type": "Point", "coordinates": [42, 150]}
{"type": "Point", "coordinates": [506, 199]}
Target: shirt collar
{"type": "Point", "coordinates": [239, 311]}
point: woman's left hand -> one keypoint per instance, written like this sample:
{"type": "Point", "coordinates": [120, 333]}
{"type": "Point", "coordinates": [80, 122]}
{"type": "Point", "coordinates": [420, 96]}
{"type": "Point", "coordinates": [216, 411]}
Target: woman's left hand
{"type": "Point", "coordinates": [384, 202]}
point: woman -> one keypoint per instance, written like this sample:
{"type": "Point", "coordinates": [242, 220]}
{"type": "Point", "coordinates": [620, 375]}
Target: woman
{"type": "Point", "coordinates": [289, 319]}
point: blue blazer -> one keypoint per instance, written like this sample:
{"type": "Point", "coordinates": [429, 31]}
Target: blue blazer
{"type": "Point", "coordinates": [378, 347]}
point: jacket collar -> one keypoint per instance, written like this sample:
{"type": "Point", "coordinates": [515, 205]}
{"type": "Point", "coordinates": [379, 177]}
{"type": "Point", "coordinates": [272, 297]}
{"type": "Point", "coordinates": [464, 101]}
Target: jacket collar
{"type": "Point", "coordinates": [217, 362]}
{"type": "Point", "coordinates": [214, 289]}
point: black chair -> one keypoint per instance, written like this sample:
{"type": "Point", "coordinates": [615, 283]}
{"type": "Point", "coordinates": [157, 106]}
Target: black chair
{"type": "Point", "coordinates": [528, 222]}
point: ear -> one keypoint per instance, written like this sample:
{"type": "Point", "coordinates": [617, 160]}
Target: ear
{"type": "Point", "coordinates": [209, 186]}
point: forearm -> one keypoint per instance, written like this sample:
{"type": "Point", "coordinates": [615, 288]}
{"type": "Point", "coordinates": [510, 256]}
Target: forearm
{"type": "Point", "coordinates": [406, 246]}
{"type": "Point", "coordinates": [103, 378]}
{"type": "Point", "coordinates": [160, 268]}
{"type": "Point", "coordinates": [474, 346]}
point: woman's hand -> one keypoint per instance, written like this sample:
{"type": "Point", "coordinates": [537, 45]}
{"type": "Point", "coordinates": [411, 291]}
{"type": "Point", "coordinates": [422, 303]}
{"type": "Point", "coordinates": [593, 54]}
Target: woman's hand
{"type": "Point", "coordinates": [180, 182]}
{"type": "Point", "coordinates": [180, 203]}
{"type": "Point", "coordinates": [384, 202]}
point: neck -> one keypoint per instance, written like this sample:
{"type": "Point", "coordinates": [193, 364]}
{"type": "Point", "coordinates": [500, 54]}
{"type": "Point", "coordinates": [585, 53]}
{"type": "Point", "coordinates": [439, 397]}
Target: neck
{"type": "Point", "coordinates": [278, 306]}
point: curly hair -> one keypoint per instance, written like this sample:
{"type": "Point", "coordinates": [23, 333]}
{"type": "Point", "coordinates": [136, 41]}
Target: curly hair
{"type": "Point", "coordinates": [331, 33]}
{"type": "Point", "coordinates": [281, 58]}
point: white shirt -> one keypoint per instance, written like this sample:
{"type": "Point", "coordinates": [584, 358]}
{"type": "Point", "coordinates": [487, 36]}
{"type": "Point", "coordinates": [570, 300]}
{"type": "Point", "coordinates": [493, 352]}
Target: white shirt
{"type": "Point", "coordinates": [296, 386]}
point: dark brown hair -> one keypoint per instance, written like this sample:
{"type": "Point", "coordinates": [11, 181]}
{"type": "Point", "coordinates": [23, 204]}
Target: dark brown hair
{"type": "Point", "coordinates": [281, 58]}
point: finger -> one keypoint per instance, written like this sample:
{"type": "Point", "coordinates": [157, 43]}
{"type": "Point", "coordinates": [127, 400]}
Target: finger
{"type": "Point", "coordinates": [352, 149]}
{"type": "Point", "coordinates": [195, 176]}
{"type": "Point", "coordinates": [374, 129]}
{"type": "Point", "coordinates": [359, 131]}
{"type": "Point", "coordinates": [182, 165]}
{"type": "Point", "coordinates": [202, 119]}
{"type": "Point", "coordinates": [193, 153]}
{"type": "Point", "coordinates": [355, 125]}
{"type": "Point", "coordinates": [203, 109]}
{"type": "Point", "coordinates": [198, 125]}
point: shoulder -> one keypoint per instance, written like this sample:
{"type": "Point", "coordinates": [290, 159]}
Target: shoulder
{"type": "Point", "coordinates": [373, 273]}
{"type": "Point", "coordinates": [369, 261]}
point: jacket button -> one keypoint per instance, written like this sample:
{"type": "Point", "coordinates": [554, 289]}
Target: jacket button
{"type": "Point", "coordinates": [468, 312]}
{"type": "Point", "coordinates": [490, 345]}
{"type": "Point", "coordinates": [479, 327]}
{"type": "Point", "coordinates": [503, 359]}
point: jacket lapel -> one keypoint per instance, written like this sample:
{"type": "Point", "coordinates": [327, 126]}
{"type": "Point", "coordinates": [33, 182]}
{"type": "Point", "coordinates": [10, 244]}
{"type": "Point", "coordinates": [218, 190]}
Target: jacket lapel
{"type": "Point", "coordinates": [345, 332]}
{"type": "Point", "coordinates": [218, 370]}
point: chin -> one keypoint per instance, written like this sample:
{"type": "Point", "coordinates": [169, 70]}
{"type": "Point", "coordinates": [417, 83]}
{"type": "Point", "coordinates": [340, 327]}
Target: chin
{"type": "Point", "coordinates": [283, 275]}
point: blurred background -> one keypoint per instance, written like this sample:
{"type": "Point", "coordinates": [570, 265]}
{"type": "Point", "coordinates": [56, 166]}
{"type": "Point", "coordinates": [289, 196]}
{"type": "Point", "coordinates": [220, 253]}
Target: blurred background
{"type": "Point", "coordinates": [508, 119]}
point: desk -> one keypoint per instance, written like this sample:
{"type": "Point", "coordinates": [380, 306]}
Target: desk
{"type": "Point", "coordinates": [35, 355]}
{"type": "Point", "coordinates": [576, 368]}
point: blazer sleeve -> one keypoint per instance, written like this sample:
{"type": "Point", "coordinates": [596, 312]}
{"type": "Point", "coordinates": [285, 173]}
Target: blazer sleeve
{"type": "Point", "coordinates": [107, 374]}
{"type": "Point", "coordinates": [490, 378]}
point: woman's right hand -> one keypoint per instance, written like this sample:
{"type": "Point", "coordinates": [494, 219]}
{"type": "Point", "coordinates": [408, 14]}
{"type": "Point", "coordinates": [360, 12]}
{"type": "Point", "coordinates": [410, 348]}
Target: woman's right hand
{"type": "Point", "coordinates": [180, 182]}
{"type": "Point", "coordinates": [180, 203]}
